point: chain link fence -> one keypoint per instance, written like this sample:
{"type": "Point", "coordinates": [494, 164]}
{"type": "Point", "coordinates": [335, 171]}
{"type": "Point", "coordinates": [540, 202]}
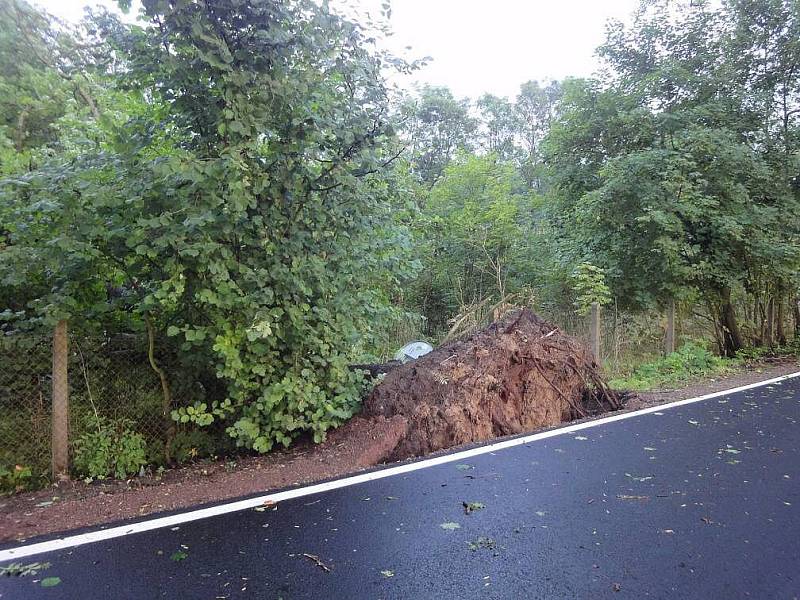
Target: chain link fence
{"type": "Point", "coordinates": [623, 336]}
{"type": "Point", "coordinates": [109, 378]}
{"type": "Point", "coordinates": [26, 386]}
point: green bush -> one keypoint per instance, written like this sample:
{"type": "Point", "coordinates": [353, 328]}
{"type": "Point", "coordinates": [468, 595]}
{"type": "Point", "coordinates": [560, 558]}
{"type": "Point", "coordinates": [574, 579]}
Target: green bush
{"type": "Point", "coordinates": [257, 232]}
{"type": "Point", "coordinates": [752, 353]}
{"type": "Point", "coordinates": [109, 448]}
{"type": "Point", "coordinates": [190, 444]}
{"type": "Point", "coordinates": [18, 479]}
{"type": "Point", "coordinates": [691, 360]}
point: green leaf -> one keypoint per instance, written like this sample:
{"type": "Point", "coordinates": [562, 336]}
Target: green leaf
{"type": "Point", "coordinates": [470, 507]}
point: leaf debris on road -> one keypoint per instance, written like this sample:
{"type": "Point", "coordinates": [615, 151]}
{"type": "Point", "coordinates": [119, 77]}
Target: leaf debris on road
{"type": "Point", "coordinates": [470, 507]}
{"type": "Point", "coordinates": [20, 570]}
{"type": "Point", "coordinates": [50, 582]}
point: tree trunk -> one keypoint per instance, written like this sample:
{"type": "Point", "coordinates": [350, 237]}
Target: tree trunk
{"type": "Point", "coordinates": [769, 336]}
{"type": "Point", "coordinates": [780, 316]}
{"type": "Point", "coordinates": [796, 315]}
{"type": "Point", "coordinates": [761, 313]}
{"type": "Point", "coordinates": [754, 319]}
{"type": "Point", "coordinates": [88, 99]}
{"type": "Point", "coordinates": [731, 336]}
{"type": "Point", "coordinates": [166, 398]}
{"type": "Point", "coordinates": [19, 137]}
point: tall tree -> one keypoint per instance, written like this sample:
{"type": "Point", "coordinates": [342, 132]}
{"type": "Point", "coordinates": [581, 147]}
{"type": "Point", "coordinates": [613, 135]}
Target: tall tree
{"type": "Point", "coordinates": [436, 125]}
{"type": "Point", "coordinates": [536, 109]}
{"type": "Point", "coordinates": [499, 127]}
{"type": "Point", "coordinates": [663, 172]}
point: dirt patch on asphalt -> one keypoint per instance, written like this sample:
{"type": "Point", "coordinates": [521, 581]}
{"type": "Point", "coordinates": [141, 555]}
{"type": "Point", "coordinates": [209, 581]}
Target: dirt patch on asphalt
{"type": "Point", "coordinates": [517, 375]}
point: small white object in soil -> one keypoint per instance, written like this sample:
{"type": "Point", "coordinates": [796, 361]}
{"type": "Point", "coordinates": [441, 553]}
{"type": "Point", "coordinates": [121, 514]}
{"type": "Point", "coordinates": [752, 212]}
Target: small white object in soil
{"type": "Point", "coordinates": [412, 351]}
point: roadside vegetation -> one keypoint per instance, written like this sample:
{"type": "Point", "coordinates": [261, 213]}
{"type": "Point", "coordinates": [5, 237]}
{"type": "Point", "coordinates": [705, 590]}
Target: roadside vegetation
{"type": "Point", "coordinates": [691, 361]}
{"type": "Point", "coordinates": [237, 184]}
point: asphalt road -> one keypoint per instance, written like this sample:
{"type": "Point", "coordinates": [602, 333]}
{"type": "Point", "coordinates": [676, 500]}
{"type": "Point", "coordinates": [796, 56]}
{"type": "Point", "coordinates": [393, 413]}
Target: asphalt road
{"type": "Point", "coordinates": [697, 501]}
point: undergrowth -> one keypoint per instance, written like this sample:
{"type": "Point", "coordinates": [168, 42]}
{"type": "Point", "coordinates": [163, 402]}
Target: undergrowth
{"type": "Point", "coordinates": [691, 361]}
{"type": "Point", "coordinates": [109, 448]}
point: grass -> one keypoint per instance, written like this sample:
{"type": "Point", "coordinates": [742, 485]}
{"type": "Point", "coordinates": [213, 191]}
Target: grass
{"type": "Point", "coordinates": [690, 362]}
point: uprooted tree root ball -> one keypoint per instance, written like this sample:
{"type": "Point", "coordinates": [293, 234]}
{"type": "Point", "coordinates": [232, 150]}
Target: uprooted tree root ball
{"type": "Point", "coordinates": [517, 375]}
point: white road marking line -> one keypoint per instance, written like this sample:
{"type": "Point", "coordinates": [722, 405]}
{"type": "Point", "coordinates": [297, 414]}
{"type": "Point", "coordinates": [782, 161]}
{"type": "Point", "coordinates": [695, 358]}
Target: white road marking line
{"type": "Point", "coordinates": [213, 511]}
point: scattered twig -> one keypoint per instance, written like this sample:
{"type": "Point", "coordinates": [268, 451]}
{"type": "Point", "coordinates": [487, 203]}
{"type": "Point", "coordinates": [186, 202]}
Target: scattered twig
{"type": "Point", "coordinates": [515, 322]}
{"type": "Point", "coordinates": [547, 335]}
{"type": "Point", "coordinates": [316, 560]}
{"type": "Point", "coordinates": [452, 356]}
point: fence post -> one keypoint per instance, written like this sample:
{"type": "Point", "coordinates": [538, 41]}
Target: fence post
{"type": "Point", "coordinates": [669, 338]}
{"type": "Point", "coordinates": [594, 331]}
{"type": "Point", "coordinates": [60, 429]}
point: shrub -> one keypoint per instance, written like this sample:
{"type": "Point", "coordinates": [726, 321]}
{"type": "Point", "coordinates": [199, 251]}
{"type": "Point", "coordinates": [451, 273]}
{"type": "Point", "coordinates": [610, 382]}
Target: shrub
{"type": "Point", "coordinates": [109, 448]}
{"type": "Point", "coordinates": [18, 479]}
{"type": "Point", "coordinates": [193, 444]}
{"type": "Point", "coordinates": [691, 360]}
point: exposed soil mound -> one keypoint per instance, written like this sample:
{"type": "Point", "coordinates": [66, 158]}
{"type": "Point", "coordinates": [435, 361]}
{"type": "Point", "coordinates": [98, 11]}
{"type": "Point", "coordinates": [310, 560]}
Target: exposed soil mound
{"type": "Point", "coordinates": [519, 374]}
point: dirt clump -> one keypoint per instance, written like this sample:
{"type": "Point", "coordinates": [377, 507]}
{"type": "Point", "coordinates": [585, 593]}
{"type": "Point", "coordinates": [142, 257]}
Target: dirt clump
{"type": "Point", "coordinates": [517, 375]}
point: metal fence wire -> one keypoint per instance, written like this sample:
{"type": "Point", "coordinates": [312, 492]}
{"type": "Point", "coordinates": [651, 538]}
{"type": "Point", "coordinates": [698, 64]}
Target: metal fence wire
{"type": "Point", "coordinates": [25, 404]}
{"type": "Point", "coordinates": [109, 377]}
{"type": "Point", "coordinates": [622, 335]}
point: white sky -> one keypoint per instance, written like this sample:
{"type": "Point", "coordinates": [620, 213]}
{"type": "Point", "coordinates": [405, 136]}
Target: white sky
{"type": "Point", "coordinates": [481, 45]}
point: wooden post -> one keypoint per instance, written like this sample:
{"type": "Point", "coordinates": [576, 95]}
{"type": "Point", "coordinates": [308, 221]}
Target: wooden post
{"type": "Point", "coordinates": [60, 429]}
{"type": "Point", "coordinates": [594, 331]}
{"type": "Point", "coordinates": [669, 338]}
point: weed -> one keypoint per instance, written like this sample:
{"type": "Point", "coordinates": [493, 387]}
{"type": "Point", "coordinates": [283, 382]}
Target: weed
{"type": "Point", "coordinates": [109, 448]}
{"type": "Point", "coordinates": [17, 479]}
{"type": "Point", "coordinates": [690, 361]}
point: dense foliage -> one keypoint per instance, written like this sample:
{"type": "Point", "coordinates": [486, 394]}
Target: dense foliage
{"type": "Point", "coordinates": [243, 207]}
{"type": "Point", "coordinates": [109, 448]}
{"type": "Point", "coordinates": [237, 181]}
{"type": "Point", "coordinates": [678, 172]}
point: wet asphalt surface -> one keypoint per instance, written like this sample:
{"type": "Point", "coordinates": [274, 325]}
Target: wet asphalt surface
{"type": "Point", "coordinates": [699, 501]}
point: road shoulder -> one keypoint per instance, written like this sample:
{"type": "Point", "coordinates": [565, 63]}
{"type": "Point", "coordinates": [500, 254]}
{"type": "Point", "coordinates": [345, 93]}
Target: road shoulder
{"type": "Point", "coordinates": [351, 449]}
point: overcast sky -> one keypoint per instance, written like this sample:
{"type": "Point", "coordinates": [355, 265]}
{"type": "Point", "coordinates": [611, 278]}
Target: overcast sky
{"type": "Point", "coordinates": [482, 45]}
